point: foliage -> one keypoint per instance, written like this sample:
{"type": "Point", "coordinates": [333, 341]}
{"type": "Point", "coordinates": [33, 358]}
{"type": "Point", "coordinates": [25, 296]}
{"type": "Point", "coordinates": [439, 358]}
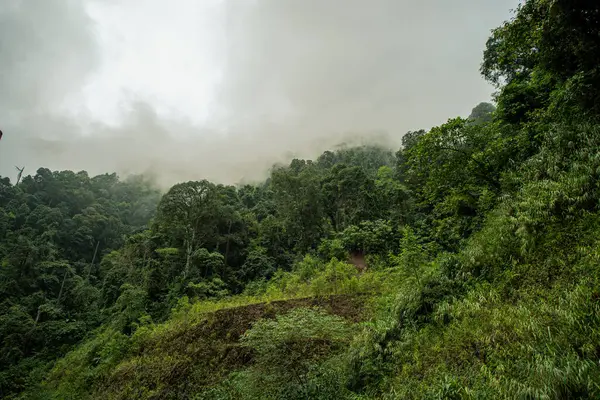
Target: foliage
{"type": "Point", "coordinates": [55, 228]}
{"type": "Point", "coordinates": [291, 349]}
{"type": "Point", "coordinates": [470, 258]}
{"type": "Point", "coordinates": [482, 113]}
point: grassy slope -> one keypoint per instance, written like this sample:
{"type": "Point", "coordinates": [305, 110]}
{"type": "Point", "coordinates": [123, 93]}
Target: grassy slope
{"type": "Point", "coordinates": [198, 346]}
{"type": "Point", "coordinates": [182, 356]}
{"type": "Point", "coordinates": [527, 325]}
{"type": "Point", "coordinates": [531, 332]}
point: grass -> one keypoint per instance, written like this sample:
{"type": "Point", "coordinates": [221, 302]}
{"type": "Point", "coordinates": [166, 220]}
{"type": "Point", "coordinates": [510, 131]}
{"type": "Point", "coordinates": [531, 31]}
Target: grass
{"type": "Point", "coordinates": [198, 346]}
{"type": "Point", "coordinates": [531, 333]}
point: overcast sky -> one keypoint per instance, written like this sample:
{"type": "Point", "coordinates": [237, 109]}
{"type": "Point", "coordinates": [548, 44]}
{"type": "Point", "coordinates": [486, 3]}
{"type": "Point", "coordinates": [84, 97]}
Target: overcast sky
{"type": "Point", "coordinates": [222, 89]}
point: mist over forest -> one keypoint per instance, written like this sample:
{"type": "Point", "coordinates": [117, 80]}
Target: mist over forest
{"type": "Point", "coordinates": [299, 200]}
{"type": "Point", "coordinates": [223, 90]}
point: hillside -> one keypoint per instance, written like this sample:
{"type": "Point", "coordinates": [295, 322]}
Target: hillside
{"type": "Point", "coordinates": [187, 355]}
{"type": "Point", "coordinates": [464, 265]}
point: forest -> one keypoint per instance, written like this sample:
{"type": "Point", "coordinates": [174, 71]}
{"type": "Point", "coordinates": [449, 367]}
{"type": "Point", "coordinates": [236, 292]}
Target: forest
{"type": "Point", "coordinates": [464, 265]}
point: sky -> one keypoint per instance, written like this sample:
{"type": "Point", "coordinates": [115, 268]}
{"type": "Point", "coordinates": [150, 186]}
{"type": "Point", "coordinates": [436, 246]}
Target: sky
{"type": "Point", "coordinates": [223, 89]}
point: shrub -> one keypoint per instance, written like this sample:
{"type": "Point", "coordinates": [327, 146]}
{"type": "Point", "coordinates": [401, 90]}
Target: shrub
{"type": "Point", "coordinates": [294, 355]}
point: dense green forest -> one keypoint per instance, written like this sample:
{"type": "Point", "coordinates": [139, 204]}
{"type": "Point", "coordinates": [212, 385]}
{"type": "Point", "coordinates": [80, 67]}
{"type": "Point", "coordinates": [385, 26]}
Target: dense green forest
{"type": "Point", "coordinates": [466, 264]}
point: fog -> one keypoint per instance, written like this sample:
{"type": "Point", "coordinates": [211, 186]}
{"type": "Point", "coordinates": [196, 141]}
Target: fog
{"type": "Point", "coordinates": [221, 89]}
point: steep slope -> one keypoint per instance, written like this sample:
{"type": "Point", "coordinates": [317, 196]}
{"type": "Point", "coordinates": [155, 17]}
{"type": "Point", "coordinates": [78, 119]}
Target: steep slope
{"type": "Point", "coordinates": [179, 358]}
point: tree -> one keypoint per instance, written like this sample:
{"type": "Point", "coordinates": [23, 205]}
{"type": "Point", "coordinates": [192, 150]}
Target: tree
{"type": "Point", "coordinates": [299, 204]}
{"type": "Point", "coordinates": [454, 175]}
{"type": "Point", "coordinates": [349, 196]}
{"type": "Point", "coordinates": [546, 46]}
{"type": "Point", "coordinates": [481, 113]}
{"type": "Point", "coordinates": [258, 264]}
{"type": "Point", "coordinates": [188, 213]}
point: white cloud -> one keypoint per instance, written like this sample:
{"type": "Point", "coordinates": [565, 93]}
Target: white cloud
{"type": "Point", "coordinates": [221, 89]}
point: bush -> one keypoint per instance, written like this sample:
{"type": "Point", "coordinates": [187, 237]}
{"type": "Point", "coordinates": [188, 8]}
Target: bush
{"type": "Point", "coordinates": [294, 355]}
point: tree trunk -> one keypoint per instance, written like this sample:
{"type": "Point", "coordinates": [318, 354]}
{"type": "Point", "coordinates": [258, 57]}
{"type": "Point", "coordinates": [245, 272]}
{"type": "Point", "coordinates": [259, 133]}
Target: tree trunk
{"type": "Point", "coordinates": [227, 244]}
{"type": "Point", "coordinates": [62, 286]}
{"type": "Point", "coordinates": [189, 252]}
{"type": "Point", "coordinates": [92, 264]}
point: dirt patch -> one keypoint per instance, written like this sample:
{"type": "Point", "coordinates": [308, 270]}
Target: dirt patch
{"type": "Point", "coordinates": [357, 259]}
{"type": "Point", "coordinates": [240, 318]}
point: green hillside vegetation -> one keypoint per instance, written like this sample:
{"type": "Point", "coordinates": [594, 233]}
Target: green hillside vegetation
{"type": "Point", "coordinates": [466, 265]}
